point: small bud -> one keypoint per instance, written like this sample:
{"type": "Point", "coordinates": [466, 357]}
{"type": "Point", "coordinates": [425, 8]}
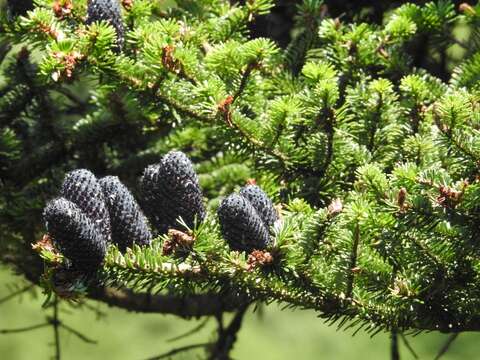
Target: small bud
{"type": "Point", "coordinates": [467, 9]}
{"type": "Point", "coordinates": [224, 110]}
{"type": "Point", "coordinates": [45, 244]}
{"type": "Point", "coordinates": [168, 60]}
{"type": "Point", "coordinates": [335, 207]}
{"type": "Point", "coordinates": [177, 241]}
{"type": "Point", "coordinates": [62, 8]}
{"type": "Point", "coordinates": [449, 197]}
{"type": "Point", "coordinates": [127, 4]}
{"type": "Point", "coordinates": [259, 258]}
{"type": "Point", "coordinates": [401, 197]}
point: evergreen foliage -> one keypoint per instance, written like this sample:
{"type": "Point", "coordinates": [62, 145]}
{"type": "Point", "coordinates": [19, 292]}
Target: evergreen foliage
{"type": "Point", "coordinates": [365, 130]}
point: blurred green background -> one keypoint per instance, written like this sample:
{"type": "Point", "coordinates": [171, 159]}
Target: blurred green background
{"type": "Point", "coordinates": [266, 334]}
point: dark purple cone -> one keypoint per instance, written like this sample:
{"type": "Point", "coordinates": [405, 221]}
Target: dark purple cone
{"type": "Point", "coordinates": [261, 203]}
{"type": "Point", "coordinates": [82, 188]}
{"type": "Point", "coordinates": [19, 7]}
{"type": "Point", "coordinates": [107, 10]}
{"type": "Point", "coordinates": [74, 235]}
{"type": "Point", "coordinates": [170, 190]}
{"type": "Point", "coordinates": [241, 225]}
{"type": "Point", "coordinates": [128, 223]}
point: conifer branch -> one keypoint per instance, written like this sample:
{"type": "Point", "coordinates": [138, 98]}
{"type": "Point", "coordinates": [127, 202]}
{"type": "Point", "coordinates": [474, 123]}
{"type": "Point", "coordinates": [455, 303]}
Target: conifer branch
{"type": "Point", "coordinates": [353, 261]}
{"type": "Point", "coordinates": [195, 330]}
{"type": "Point", "coordinates": [191, 306]}
{"type": "Point", "coordinates": [227, 337]}
{"type": "Point", "coordinates": [77, 334]}
{"type": "Point", "coordinates": [183, 109]}
{"type": "Point", "coordinates": [459, 146]}
{"type": "Point", "coordinates": [330, 130]}
{"type": "Point", "coordinates": [175, 66]}
{"type": "Point", "coordinates": [24, 329]}
{"type": "Point", "coordinates": [260, 145]}
{"type": "Point", "coordinates": [243, 82]}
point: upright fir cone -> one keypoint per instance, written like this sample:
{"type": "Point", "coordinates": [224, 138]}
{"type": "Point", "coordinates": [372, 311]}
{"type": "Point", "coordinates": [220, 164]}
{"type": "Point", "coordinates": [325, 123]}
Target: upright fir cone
{"type": "Point", "coordinates": [129, 225]}
{"type": "Point", "coordinates": [261, 202]}
{"type": "Point", "coordinates": [171, 190]}
{"type": "Point", "coordinates": [241, 225]}
{"type": "Point", "coordinates": [107, 10]}
{"type": "Point", "coordinates": [82, 188]}
{"type": "Point", "coordinates": [75, 235]}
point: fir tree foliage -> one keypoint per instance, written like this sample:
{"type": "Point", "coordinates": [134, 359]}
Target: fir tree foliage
{"type": "Point", "coordinates": [367, 134]}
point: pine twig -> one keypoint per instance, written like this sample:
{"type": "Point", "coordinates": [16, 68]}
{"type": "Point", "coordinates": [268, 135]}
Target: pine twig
{"type": "Point", "coordinates": [260, 144]}
{"type": "Point", "coordinates": [179, 350]}
{"type": "Point", "coordinates": [353, 261]}
{"type": "Point", "coordinates": [157, 95]}
{"type": "Point", "coordinates": [448, 133]}
{"type": "Point", "coordinates": [408, 346]}
{"type": "Point", "coordinates": [183, 109]}
{"type": "Point", "coordinates": [24, 329]}
{"type": "Point", "coordinates": [446, 346]}
{"type": "Point", "coordinates": [78, 334]}
{"type": "Point", "coordinates": [72, 97]}
{"type": "Point", "coordinates": [191, 331]}
{"type": "Point", "coordinates": [228, 336]}
{"type": "Point", "coordinates": [330, 130]}
{"type": "Point", "coordinates": [257, 143]}
{"type": "Point", "coordinates": [16, 293]}
{"type": "Point", "coordinates": [243, 82]}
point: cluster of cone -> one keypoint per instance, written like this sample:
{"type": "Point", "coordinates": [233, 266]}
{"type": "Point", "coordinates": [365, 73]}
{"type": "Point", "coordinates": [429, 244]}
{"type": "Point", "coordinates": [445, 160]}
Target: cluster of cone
{"type": "Point", "coordinates": [91, 213]}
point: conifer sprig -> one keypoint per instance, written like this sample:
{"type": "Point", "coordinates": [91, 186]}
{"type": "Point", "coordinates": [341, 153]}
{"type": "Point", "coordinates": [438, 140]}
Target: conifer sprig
{"type": "Point", "coordinates": [365, 132]}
